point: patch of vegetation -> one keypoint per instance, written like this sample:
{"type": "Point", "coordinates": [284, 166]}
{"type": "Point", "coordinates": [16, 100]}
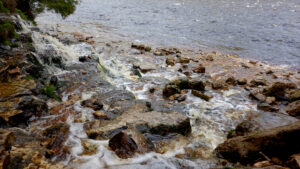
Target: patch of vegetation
{"type": "Point", "coordinates": [50, 91]}
{"type": "Point", "coordinates": [3, 9]}
{"type": "Point", "coordinates": [7, 30]}
{"type": "Point", "coordinates": [231, 132]}
{"type": "Point", "coordinates": [63, 7]}
{"type": "Point", "coordinates": [22, 15]}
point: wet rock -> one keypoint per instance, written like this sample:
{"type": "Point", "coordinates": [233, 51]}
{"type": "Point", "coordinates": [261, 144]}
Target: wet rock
{"type": "Point", "coordinates": [100, 115]}
{"type": "Point", "coordinates": [277, 90]}
{"type": "Point", "coordinates": [266, 107]}
{"type": "Point", "coordinates": [55, 137]}
{"type": "Point", "coordinates": [258, 81]}
{"type": "Point", "coordinates": [255, 94]}
{"type": "Point", "coordinates": [295, 95]}
{"type": "Point", "coordinates": [244, 128]}
{"type": "Point", "coordinates": [270, 100]}
{"type": "Point", "coordinates": [161, 123]}
{"type": "Point", "coordinates": [144, 67]}
{"type": "Point", "coordinates": [123, 145]}
{"type": "Point", "coordinates": [294, 161]}
{"type": "Point", "coordinates": [293, 108]}
{"type": "Point", "coordinates": [278, 142]}
{"type": "Point", "coordinates": [197, 85]}
{"type": "Point", "coordinates": [242, 81]}
{"type": "Point", "coordinates": [141, 47]}
{"type": "Point", "coordinates": [18, 111]}
{"type": "Point", "coordinates": [184, 60]}
{"type": "Point", "coordinates": [219, 84]}
{"type": "Point", "coordinates": [93, 104]}
{"type": "Point", "coordinates": [201, 95]}
{"type": "Point", "coordinates": [16, 88]}
{"type": "Point", "coordinates": [231, 81]}
{"type": "Point", "coordinates": [199, 69]}
{"type": "Point", "coordinates": [171, 60]}
{"type": "Point", "coordinates": [6, 139]}
{"type": "Point", "coordinates": [169, 90]}
{"type": "Point", "coordinates": [88, 147]}
{"type": "Point", "coordinates": [262, 164]}
{"type": "Point", "coordinates": [166, 51]}
{"type": "Point", "coordinates": [143, 143]}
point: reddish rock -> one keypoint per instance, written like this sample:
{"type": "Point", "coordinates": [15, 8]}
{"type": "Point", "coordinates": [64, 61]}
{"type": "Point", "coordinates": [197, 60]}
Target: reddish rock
{"type": "Point", "coordinates": [123, 145]}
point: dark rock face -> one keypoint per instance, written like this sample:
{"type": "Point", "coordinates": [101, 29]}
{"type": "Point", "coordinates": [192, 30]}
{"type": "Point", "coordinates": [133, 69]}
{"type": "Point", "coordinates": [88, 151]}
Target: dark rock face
{"type": "Point", "coordinates": [123, 145]}
{"type": "Point", "coordinates": [293, 108]}
{"type": "Point", "coordinates": [93, 104]}
{"type": "Point", "coordinates": [278, 142]}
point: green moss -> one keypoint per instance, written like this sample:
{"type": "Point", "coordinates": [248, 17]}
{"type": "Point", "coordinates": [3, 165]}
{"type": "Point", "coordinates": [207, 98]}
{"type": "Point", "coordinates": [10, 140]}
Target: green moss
{"type": "Point", "coordinates": [231, 132]}
{"type": "Point", "coordinates": [50, 91]}
{"type": "Point", "coordinates": [22, 15]}
{"type": "Point", "coordinates": [7, 42]}
{"type": "Point", "coordinates": [63, 7]}
{"type": "Point", "coordinates": [7, 31]}
{"type": "Point", "coordinates": [2, 8]}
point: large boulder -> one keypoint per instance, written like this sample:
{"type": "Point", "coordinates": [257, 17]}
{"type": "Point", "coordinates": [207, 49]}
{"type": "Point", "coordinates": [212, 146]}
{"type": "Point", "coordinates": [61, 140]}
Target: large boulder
{"type": "Point", "coordinates": [161, 123]}
{"type": "Point", "coordinates": [280, 142]}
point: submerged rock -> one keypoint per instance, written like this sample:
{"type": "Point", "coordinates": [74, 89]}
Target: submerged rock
{"type": "Point", "coordinates": [123, 145]}
{"type": "Point", "coordinates": [16, 88]}
{"type": "Point", "coordinates": [278, 142]}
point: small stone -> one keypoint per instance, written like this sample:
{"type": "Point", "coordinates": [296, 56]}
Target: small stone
{"type": "Point", "coordinates": [199, 69]}
{"type": "Point", "coordinates": [266, 107]}
{"type": "Point", "coordinates": [252, 62]}
{"type": "Point", "coordinates": [293, 108]}
{"type": "Point", "coordinates": [231, 81]}
{"type": "Point", "coordinates": [277, 89]}
{"type": "Point", "coordinates": [209, 58]}
{"type": "Point", "coordinates": [100, 115]}
{"type": "Point", "coordinates": [184, 60]}
{"type": "Point", "coordinates": [270, 100]}
{"type": "Point", "coordinates": [219, 85]}
{"type": "Point", "coordinates": [261, 164]}
{"type": "Point", "coordinates": [257, 82]}
{"type": "Point", "coordinates": [123, 145]}
{"type": "Point", "coordinates": [171, 60]}
{"type": "Point", "coordinates": [169, 90]}
{"type": "Point", "coordinates": [255, 94]}
{"type": "Point", "coordinates": [84, 72]}
{"type": "Point", "coordinates": [242, 81]}
{"type": "Point", "coordinates": [14, 71]}
{"type": "Point", "coordinates": [295, 95]}
{"type": "Point", "coordinates": [187, 73]}
{"type": "Point", "coordinates": [201, 95]}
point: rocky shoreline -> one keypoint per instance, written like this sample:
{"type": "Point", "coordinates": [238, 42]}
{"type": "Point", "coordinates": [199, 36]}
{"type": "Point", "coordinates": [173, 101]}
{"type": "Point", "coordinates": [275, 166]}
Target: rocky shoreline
{"type": "Point", "coordinates": [45, 100]}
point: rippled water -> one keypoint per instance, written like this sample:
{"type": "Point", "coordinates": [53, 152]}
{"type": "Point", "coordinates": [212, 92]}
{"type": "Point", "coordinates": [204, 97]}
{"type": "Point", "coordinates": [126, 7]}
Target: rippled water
{"type": "Point", "coordinates": [267, 30]}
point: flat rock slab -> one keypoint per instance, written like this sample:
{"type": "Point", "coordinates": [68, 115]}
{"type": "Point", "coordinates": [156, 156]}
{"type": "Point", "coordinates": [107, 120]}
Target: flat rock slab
{"type": "Point", "coordinates": [279, 142]}
{"type": "Point", "coordinates": [16, 88]}
{"type": "Point", "coordinates": [154, 122]}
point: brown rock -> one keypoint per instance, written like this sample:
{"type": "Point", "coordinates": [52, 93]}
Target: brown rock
{"type": "Point", "coordinates": [184, 59]}
{"type": "Point", "coordinates": [266, 107]}
{"type": "Point", "coordinates": [270, 100]}
{"type": "Point", "coordinates": [16, 88]}
{"type": "Point", "coordinates": [261, 164]}
{"type": "Point", "coordinates": [169, 90]}
{"type": "Point", "coordinates": [171, 60]}
{"type": "Point", "coordinates": [100, 115]}
{"type": "Point", "coordinates": [293, 108]}
{"type": "Point", "coordinates": [123, 145]}
{"type": "Point", "coordinates": [14, 71]}
{"type": "Point", "coordinates": [294, 161]}
{"type": "Point", "coordinates": [259, 81]}
{"type": "Point", "coordinates": [277, 89]}
{"type": "Point", "coordinates": [219, 85]}
{"type": "Point", "coordinates": [231, 81]}
{"type": "Point", "coordinates": [201, 95]}
{"type": "Point", "coordinates": [295, 95]}
{"type": "Point", "coordinates": [279, 142]}
{"type": "Point", "coordinates": [199, 69]}
{"type": "Point", "coordinates": [6, 139]}
{"type": "Point", "coordinates": [255, 94]}
{"type": "Point", "coordinates": [242, 81]}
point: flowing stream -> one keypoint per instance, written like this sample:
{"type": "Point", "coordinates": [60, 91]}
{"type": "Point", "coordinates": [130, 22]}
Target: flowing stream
{"type": "Point", "coordinates": [113, 24]}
